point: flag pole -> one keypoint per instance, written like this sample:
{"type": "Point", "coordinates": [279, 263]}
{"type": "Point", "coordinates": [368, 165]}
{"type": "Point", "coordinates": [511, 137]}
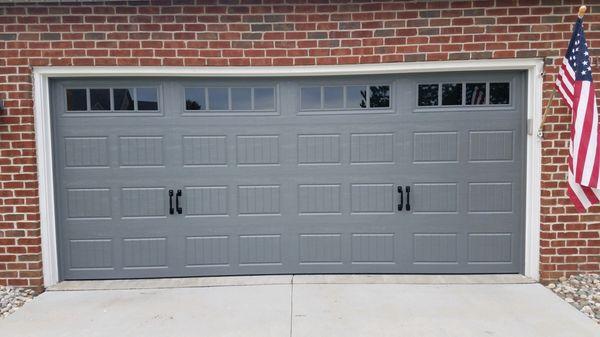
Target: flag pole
{"type": "Point", "coordinates": [540, 133]}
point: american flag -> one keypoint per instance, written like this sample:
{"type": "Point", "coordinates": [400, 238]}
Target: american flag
{"type": "Point", "coordinates": [478, 96]}
{"type": "Point", "coordinates": [574, 82]}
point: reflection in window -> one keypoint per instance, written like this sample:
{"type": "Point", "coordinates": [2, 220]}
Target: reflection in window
{"type": "Point", "coordinates": [475, 94]}
{"type": "Point", "coordinates": [123, 99]}
{"type": "Point", "coordinates": [333, 97]}
{"type": "Point", "coordinates": [428, 94]}
{"type": "Point", "coordinates": [195, 99]}
{"type": "Point", "coordinates": [264, 99]}
{"type": "Point", "coordinates": [310, 98]}
{"type": "Point", "coordinates": [218, 98]}
{"type": "Point", "coordinates": [100, 99]}
{"type": "Point", "coordinates": [452, 94]}
{"type": "Point", "coordinates": [76, 99]}
{"type": "Point", "coordinates": [147, 98]}
{"type": "Point", "coordinates": [499, 93]}
{"type": "Point", "coordinates": [380, 96]}
{"type": "Point", "coordinates": [241, 99]}
{"type": "Point", "coordinates": [356, 97]}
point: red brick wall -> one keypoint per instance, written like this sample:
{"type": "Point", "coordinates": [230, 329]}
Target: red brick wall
{"type": "Point", "coordinates": [274, 33]}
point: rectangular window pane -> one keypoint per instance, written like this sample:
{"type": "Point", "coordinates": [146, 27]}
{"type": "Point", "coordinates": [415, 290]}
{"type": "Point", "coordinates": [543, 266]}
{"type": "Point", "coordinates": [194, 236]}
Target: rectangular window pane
{"type": "Point", "coordinates": [147, 99]}
{"type": "Point", "coordinates": [100, 99]}
{"type": "Point", "coordinates": [475, 94]}
{"type": "Point", "coordinates": [194, 99]}
{"type": "Point", "coordinates": [380, 96]}
{"type": "Point", "coordinates": [123, 99]}
{"type": "Point", "coordinates": [333, 97]}
{"type": "Point", "coordinates": [452, 94]}
{"type": "Point", "coordinates": [356, 97]}
{"type": "Point", "coordinates": [311, 98]}
{"type": "Point", "coordinates": [264, 99]}
{"type": "Point", "coordinates": [241, 99]}
{"type": "Point", "coordinates": [428, 94]}
{"type": "Point", "coordinates": [499, 93]}
{"type": "Point", "coordinates": [76, 99]}
{"type": "Point", "coordinates": [218, 99]}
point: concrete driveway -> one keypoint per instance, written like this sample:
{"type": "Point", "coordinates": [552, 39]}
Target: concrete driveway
{"type": "Point", "coordinates": [302, 306]}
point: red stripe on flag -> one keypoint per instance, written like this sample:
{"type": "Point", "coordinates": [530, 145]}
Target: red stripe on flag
{"type": "Point", "coordinates": [575, 200]}
{"type": "Point", "coordinates": [567, 73]}
{"type": "Point", "coordinates": [590, 194]}
{"type": "Point", "coordinates": [586, 129]}
{"type": "Point", "coordinates": [594, 180]}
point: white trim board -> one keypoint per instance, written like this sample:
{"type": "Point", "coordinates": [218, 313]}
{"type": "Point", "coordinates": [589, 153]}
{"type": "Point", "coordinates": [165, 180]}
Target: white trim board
{"type": "Point", "coordinates": [42, 75]}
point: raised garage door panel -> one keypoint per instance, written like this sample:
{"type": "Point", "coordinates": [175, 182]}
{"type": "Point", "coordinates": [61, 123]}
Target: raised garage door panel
{"type": "Point", "coordinates": [294, 175]}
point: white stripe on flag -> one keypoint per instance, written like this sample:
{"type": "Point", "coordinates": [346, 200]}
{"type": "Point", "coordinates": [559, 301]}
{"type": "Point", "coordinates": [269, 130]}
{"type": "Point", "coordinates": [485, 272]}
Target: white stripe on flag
{"type": "Point", "coordinates": [568, 84]}
{"type": "Point", "coordinates": [565, 95]}
{"type": "Point", "coordinates": [569, 69]}
{"type": "Point", "coordinates": [590, 156]}
{"type": "Point", "coordinates": [576, 188]}
{"type": "Point", "coordinates": [579, 120]}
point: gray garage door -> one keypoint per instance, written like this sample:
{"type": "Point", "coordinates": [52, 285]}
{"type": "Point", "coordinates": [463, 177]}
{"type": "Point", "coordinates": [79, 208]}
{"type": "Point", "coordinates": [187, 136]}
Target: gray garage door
{"type": "Point", "coordinates": [164, 177]}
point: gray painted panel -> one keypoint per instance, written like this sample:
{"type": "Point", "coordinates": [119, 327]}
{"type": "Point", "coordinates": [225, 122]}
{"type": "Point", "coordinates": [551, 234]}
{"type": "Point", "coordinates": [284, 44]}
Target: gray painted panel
{"type": "Point", "coordinates": [435, 198]}
{"type": "Point", "coordinates": [141, 151]}
{"type": "Point", "coordinates": [205, 150]}
{"type": "Point", "coordinates": [145, 253]}
{"type": "Point", "coordinates": [88, 203]}
{"type": "Point", "coordinates": [492, 247]}
{"type": "Point", "coordinates": [286, 191]}
{"type": "Point", "coordinates": [257, 150]}
{"type": "Point", "coordinates": [373, 248]}
{"type": "Point", "coordinates": [490, 145]}
{"type": "Point", "coordinates": [372, 198]}
{"type": "Point", "coordinates": [435, 248]}
{"type": "Point", "coordinates": [320, 248]}
{"type": "Point", "coordinates": [490, 197]}
{"type": "Point", "coordinates": [260, 249]}
{"type": "Point", "coordinates": [435, 147]}
{"type": "Point", "coordinates": [143, 202]}
{"type": "Point", "coordinates": [86, 151]}
{"type": "Point", "coordinates": [207, 200]}
{"type": "Point", "coordinates": [91, 254]}
{"type": "Point", "coordinates": [207, 251]}
{"type": "Point", "coordinates": [372, 148]}
{"type": "Point", "coordinates": [318, 149]}
{"type": "Point", "coordinates": [318, 199]}
{"type": "Point", "coordinates": [258, 200]}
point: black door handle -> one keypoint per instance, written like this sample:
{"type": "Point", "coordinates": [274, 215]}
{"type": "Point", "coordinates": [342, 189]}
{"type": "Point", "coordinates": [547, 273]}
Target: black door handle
{"type": "Point", "coordinates": [177, 196]}
{"type": "Point", "coordinates": [401, 198]}
{"type": "Point", "coordinates": [408, 198]}
{"type": "Point", "coordinates": [171, 209]}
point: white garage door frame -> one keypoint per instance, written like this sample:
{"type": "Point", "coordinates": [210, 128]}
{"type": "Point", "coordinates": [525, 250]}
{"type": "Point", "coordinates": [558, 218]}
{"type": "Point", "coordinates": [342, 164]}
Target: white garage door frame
{"type": "Point", "coordinates": [42, 76]}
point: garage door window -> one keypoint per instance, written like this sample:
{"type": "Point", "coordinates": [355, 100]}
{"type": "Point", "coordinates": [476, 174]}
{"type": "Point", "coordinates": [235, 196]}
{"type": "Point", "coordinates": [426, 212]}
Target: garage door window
{"type": "Point", "coordinates": [147, 99]}
{"type": "Point", "coordinates": [461, 94]}
{"type": "Point", "coordinates": [195, 99]}
{"type": "Point", "coordinates": [76, 99]}
{"type": "Point", "coordinates": [123, 99]}
{"type": "Point", "coordinates": [230, 99]}
{"type": "Point", "coordinates": [352, 97]}
{"type": "Point", "coordinates": [499, 93]}
{"type": "Point", "coordinates": [112, 99]}
{"type": "Point", "coordinates": [428, 94]}
{"type": "Point", "coordinates": [100, 99]}
{"type": "Point", "coordinates": [452, 94]}
{"type": "Point", "coordinates": [476, 94]}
